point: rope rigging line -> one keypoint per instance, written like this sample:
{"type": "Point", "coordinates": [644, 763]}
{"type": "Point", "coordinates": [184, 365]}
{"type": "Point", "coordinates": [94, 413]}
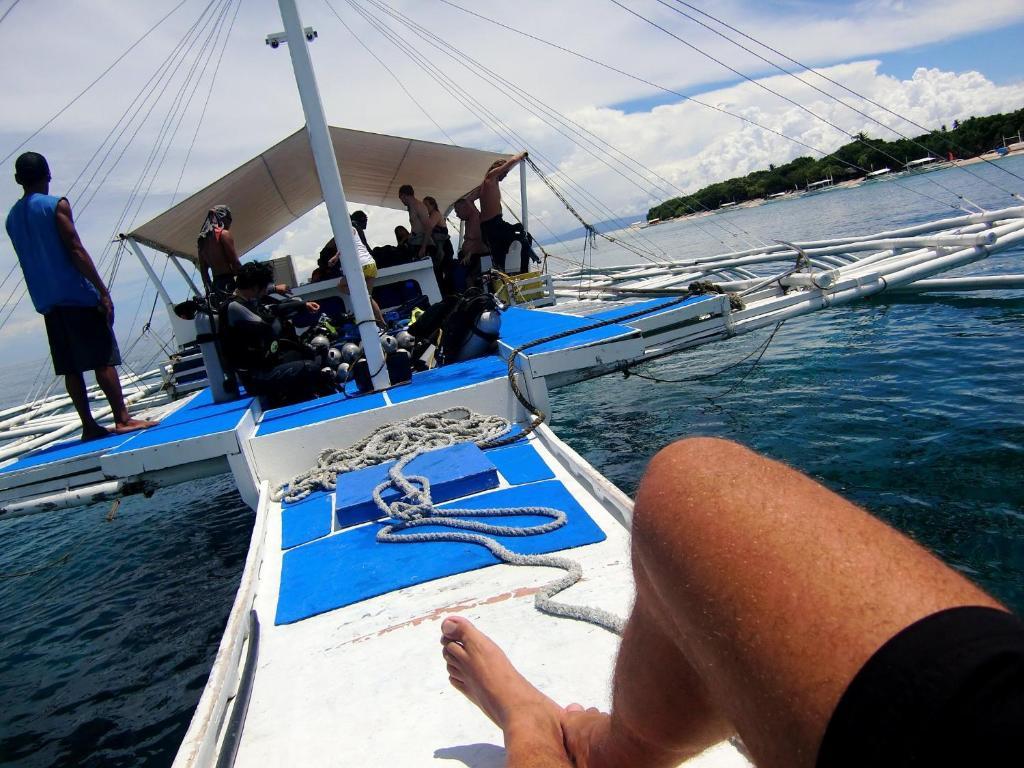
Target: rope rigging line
{"type": "Point", "coordinates": [164, 135]}
{"type": "Point", "coordinates": [478, 109]}
{"type": "Point", "coordinates": [473, 106]}
{"type": "Point", "coordinates": [391, 72]}
{"type": "Point", "coordinates": [87, 88]}
{"type": "Point", "coordinates": [796, 104]}
{"type": "Point", "coordinates": [206, 103]}
{"type": "Point", "coordinates": [144, 90]}
{"type": "Point", "coordinates": [681, 95]}
{"type": "Point", "coordinates": [828, 79]}
{"type": "Point", "coordinates": [8, 11]}
{"type": "Point", "coordinates": [740, 231]}
{"type": "Point", "coordinates": [594, 145]}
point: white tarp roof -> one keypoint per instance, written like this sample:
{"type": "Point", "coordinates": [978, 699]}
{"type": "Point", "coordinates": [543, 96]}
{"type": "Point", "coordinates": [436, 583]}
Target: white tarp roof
{"type": "Point", "coordinates": [280, 185]}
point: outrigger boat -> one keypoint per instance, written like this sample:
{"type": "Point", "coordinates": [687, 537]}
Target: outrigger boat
{"type": "Point", "coordinates": [330, 654]}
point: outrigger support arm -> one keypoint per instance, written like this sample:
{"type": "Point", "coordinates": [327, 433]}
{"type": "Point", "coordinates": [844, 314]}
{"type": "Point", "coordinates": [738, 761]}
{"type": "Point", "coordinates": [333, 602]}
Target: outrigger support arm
{"type": "Point", "coordinates": [331, 187]}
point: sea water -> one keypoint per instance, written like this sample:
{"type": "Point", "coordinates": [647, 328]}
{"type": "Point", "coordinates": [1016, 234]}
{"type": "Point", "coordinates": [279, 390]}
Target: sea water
{"type": "Point", "coordinates": [912, 407]}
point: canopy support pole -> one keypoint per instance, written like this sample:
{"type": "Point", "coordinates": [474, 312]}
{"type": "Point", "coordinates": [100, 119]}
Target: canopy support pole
{"type": "Point", "coordinates": [149, 270]}
{"type": "Point", "coordinates": [333, 191]}
{"type": "Point", "coordinates": [185, 275]}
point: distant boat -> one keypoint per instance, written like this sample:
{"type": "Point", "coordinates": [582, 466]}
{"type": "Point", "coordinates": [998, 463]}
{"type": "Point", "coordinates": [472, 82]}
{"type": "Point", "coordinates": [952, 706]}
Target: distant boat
{"type": "Point", "coordinates": [819, 186]}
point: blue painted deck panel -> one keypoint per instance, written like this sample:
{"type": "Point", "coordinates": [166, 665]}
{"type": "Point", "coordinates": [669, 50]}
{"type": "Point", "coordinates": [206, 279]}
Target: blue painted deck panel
{"type": "Point", "coordinates": [520, 463]}
{"type": "Point", "coordinates": [456, 471]}
{"type": "Point", "coordinates": [650, 305]}
{"type": "Point", "coordinates": [520, 326]}
{"type": "Point", "coordinates": [450, 377]}
{"type": "Point", "coordinates": [351, 566]}
{"type": "Point", "coordinates": [306, 520]}
{"type": "Point", "coordinates": [197, 418]}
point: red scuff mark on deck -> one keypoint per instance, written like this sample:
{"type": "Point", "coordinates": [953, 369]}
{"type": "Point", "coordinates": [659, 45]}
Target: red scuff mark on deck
{"type": "Point", "coordinates": [438, 613]}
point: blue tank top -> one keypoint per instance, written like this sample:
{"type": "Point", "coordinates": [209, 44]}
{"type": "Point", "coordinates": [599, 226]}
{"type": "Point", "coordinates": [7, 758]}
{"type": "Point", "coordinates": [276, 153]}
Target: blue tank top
{"type": "Point", "coordinates": [50, 275]}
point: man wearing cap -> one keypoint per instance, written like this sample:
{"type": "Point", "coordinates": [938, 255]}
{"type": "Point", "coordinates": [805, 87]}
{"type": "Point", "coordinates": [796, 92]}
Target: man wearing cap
{"type": "Point", "coordinates": [69, 293]}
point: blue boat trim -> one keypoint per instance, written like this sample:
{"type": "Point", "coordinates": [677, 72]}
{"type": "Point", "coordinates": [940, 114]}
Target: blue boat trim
{"type": "Point", "coordinates": [521, 326]}
{"type": "Point", "coordinates": [520, 463]}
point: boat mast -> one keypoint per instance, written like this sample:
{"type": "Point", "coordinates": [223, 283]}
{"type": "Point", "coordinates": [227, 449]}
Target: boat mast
{"type": "Point", "coordinates": [331, 187]}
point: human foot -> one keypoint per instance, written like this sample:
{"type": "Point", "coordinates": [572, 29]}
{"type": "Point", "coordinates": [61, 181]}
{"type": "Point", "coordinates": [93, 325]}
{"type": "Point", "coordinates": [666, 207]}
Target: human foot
{"type": "Point", "coordinates": [132, 425]}
{"type": "Point", "coordinates": [482, 672]}
{"type": "Point", "coordinates": [94, 433]}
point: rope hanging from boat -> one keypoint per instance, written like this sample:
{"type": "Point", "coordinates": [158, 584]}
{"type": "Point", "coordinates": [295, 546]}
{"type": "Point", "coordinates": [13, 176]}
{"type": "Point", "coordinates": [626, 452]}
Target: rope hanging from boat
{"type": "Point", "coordinates": [415, 509]}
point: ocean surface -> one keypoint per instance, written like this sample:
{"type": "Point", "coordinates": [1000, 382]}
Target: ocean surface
{"type": "Point", "coordinates": [912, 407]}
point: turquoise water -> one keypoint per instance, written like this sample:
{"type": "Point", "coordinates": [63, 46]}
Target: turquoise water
{"type": "Point", "coordinates": [912, 407]}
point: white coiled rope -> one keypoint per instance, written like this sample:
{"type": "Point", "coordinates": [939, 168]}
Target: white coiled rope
{"type": "Point", "coordinates": [393, 441]}
{"type": "Point", "coordinates": [405, 440]}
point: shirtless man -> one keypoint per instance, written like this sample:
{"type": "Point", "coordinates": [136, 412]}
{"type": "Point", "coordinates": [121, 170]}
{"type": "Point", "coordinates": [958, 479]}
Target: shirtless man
{"type": "Point", "coordinates": [493, 228]}
{"type": "Point", "coordinates": [472, 247]}
{"type": "Point", "coordinates": [217, 251]}
{"type": "Point", "coordinates": [770, 607]}
{"type": "Point", "coordinates": [418, 218]}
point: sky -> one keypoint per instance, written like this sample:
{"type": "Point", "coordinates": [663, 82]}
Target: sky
{"type": "Point", "coordinates": [931, 61]}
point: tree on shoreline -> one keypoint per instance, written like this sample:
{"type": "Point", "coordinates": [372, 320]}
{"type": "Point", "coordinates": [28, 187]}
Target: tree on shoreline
{"type": "Point", "coordinates": [969, 138]}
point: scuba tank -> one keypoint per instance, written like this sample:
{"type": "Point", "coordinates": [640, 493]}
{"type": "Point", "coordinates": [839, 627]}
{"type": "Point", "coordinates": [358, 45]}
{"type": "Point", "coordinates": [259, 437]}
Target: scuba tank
{"type": "Point", "coordinates": [223, 386]}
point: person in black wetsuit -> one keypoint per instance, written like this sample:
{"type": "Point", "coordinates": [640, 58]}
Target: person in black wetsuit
{"type": "Point", "coordinates": [769, 607]}
{"type": "Point", "coordinates": [256, 340]}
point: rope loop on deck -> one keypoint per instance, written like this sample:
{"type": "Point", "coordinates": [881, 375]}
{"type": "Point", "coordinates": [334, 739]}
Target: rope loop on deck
{"type": "Point", "coordinates": [416, 509]}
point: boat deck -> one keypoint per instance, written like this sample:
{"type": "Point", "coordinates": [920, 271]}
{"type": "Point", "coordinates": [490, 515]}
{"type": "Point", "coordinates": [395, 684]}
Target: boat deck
{"type": "Point", "coordinates": [349, 660]}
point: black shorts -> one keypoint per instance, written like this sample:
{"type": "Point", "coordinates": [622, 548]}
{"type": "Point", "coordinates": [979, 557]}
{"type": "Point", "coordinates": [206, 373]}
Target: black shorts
{"type": "Point", "coordinates": [498, 234]}
{"type": "Point", "coordinates": [946, 691]}
{"type": "Point", "coordinates": [224, 283]}
{"type": "Point", "coordinates": [81, 339]}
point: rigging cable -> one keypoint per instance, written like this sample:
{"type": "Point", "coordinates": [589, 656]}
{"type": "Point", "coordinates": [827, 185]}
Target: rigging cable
{"type": "Point", "coordinates": [103, 74]}
{"type": "Point", "coordinates": [793, 102]}
{"type": "Point", "coordinates": [462, 59]}
{"type": "Point", "coordinates": [671, 91]}
{"type": "Point", "coordinates": [849, 90]}
{"type": "Point", "coordinates": [8, 11]}
{"type": "Point", "coordinates": [474, 106]}
{"type": "Point", "coordinates": [600, 145]}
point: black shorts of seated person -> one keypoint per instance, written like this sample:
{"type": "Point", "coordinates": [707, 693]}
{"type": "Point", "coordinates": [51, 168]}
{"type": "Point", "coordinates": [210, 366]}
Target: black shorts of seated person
{"type": "Point", "coordinates": [498, 234]}
{"type": "Point", "coordinates": [946, 691]}
{"type": "Point", "coordinates": [81, 339]}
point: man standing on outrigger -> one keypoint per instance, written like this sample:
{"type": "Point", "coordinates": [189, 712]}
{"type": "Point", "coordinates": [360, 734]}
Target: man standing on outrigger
{"type": "Point", "coordinates": [69, 293]}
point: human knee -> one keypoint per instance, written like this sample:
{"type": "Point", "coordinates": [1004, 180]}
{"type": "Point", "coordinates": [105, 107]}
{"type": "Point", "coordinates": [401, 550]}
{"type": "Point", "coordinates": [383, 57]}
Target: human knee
{"type": "Point", "coordinates": [678, 477]}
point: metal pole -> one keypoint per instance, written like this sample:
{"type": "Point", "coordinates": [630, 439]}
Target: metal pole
{"type": "Point", "coordinates": [522, 197]}
{"type": "Point", "coordinates": [150, 271]}
{"type": "Point", "coordinates": [333, 191]}
{"type": "Point", "coordinates": [184, 274]}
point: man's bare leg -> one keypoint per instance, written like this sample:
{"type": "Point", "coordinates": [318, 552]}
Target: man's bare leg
{"type": "Point", "coordinates": [528, 719]}
{"type": "Point", "coordinates": [109, 382]}
{"type": "Point", "coordinates": [774, 592]}
{"type": "Point", "coordinates": [75, 385]}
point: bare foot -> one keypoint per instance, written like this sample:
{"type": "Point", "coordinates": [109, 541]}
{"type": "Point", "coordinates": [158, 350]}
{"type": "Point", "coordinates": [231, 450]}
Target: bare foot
{"type": "Point", "coordinates": [94, 433]}
{"type": "Point", "coordinates": [133, 425]}
{"type": "Point", "coordinates": [482, 672]}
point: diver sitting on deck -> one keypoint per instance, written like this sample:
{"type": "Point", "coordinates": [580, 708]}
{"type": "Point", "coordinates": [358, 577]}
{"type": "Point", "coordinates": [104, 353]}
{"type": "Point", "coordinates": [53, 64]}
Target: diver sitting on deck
{"type": "Point", "coordinates": [770, 607]}
{"type": "Point", "coordinates": [262, 349]}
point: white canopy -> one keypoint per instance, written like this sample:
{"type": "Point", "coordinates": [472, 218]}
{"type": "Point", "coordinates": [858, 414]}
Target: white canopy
{"type": "Point", "coordinates": [275, 188]}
